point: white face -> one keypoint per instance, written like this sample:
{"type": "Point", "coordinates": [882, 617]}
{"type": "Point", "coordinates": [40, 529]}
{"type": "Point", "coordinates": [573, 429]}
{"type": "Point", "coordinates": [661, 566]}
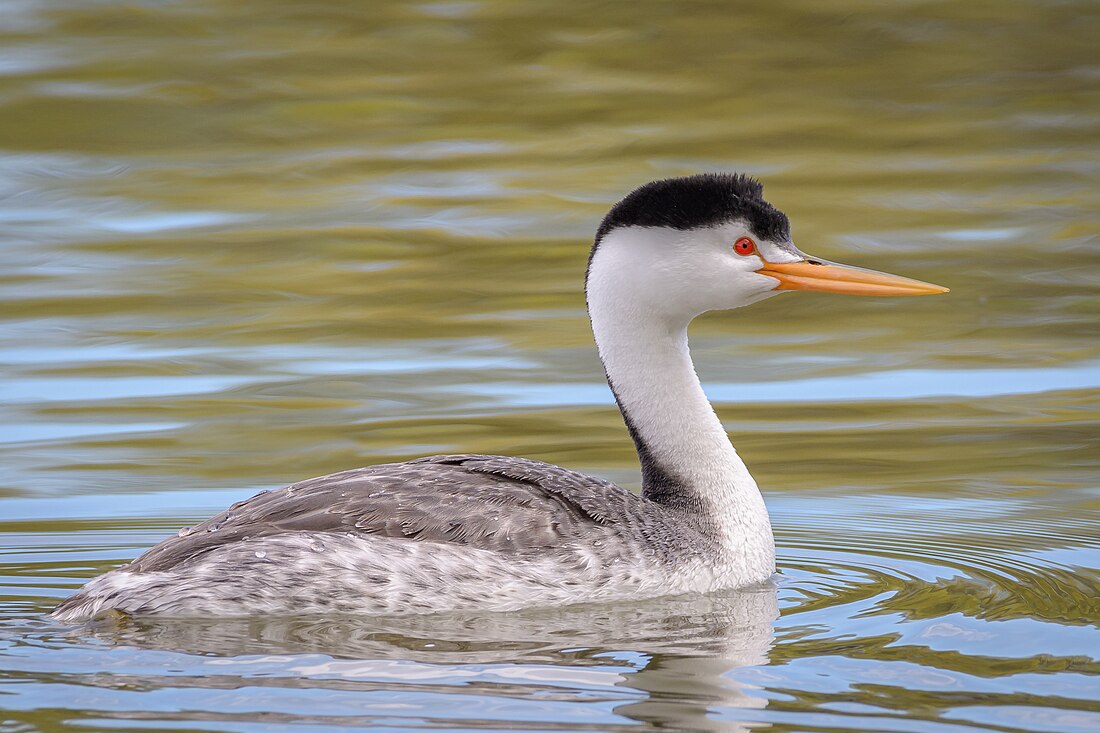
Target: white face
{"type": "Point", "coordinates": [684, 273]}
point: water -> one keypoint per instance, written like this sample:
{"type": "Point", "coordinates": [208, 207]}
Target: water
{"type": "Point", "coordinates": [247, 243]}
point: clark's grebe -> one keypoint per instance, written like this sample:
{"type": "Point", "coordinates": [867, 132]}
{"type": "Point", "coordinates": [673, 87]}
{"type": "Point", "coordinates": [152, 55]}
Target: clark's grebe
{"type": "Point", "coordinates": [493, 533]}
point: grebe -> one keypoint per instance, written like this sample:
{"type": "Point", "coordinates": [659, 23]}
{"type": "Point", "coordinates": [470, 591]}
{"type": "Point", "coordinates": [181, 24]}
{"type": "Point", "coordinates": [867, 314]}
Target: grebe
{"type": "Point", "coordinates": [476, 532]}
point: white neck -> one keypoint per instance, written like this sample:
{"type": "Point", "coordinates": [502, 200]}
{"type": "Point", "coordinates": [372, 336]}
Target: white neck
{"type": "Point", "coordinates": [688, 462]}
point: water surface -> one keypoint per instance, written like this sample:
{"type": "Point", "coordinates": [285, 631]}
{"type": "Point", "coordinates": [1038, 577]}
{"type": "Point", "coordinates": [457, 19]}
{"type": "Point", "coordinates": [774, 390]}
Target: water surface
{"type": "Point", "coordinates": [246, 243]}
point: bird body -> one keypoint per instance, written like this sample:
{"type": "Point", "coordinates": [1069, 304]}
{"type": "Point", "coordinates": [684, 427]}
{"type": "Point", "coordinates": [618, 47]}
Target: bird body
{"type": "Point", "coordinates": [436, 534]}
{"type": "Point", "coordinates": [494, 533]}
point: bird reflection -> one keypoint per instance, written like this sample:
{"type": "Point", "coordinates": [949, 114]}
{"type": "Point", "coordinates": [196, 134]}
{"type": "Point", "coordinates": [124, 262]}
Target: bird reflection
{"type": "Point", "coordinates": [667, 661]}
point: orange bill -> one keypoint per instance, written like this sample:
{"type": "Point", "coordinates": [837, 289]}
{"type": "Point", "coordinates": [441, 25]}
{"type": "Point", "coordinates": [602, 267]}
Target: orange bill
{"type": "Point", "coordinates": [832, 278]}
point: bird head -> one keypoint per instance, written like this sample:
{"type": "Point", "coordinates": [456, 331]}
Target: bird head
{"type": "Point", "coordinates": [684, 246]}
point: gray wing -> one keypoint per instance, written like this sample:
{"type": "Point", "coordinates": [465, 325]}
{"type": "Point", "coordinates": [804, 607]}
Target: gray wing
{"type": "Point", "coordinates": [510, 505]}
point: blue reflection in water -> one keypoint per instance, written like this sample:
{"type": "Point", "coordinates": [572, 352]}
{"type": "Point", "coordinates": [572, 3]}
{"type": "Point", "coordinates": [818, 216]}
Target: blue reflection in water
{"type": "Point", "coordinates": [888, 385]}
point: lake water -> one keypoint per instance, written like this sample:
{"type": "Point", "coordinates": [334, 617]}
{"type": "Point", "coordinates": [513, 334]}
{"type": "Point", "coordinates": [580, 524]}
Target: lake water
{"type": "Point", "coordinates": [244, 243]}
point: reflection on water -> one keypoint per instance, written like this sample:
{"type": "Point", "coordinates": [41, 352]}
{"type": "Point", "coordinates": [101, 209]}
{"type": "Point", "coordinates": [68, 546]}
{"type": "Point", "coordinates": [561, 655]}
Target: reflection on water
{"type": "Point", "coordinates": [246, 243]}
{"type": "Point", "coordinates": [663, 663]}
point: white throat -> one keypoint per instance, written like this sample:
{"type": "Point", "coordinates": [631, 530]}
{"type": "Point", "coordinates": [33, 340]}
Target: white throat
{"type": "Point", "coordinates": [688, 462]}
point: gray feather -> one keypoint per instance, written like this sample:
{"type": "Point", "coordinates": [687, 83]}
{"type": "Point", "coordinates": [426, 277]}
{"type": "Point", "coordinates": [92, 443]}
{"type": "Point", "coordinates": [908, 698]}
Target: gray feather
{"type": "Point", "coordinates": [509, 505]}
{"type": "Point", "coordinates": [438, 533]}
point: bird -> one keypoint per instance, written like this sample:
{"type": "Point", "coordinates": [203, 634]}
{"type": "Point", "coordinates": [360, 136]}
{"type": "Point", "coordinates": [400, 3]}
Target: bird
{"type": "Point", "coordinates": [488, 533]}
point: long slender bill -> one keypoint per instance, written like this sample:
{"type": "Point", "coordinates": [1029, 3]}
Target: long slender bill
{"type": "Point", "coordinates": [833, 278]}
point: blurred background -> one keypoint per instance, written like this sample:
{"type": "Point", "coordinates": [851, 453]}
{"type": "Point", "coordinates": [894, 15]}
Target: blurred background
{"type": "Point", "coordinates": [244, 243]}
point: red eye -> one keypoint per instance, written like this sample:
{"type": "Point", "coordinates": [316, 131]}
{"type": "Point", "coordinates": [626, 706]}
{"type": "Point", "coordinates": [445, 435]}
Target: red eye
{"type": "Point", "coordinates": [744, 246]}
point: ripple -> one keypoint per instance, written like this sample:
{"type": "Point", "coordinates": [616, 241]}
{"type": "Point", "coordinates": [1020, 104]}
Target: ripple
{"type": "Point", "coordinates": [901, 384]}
{"type": "Point", "coordinates": [938, 565]}
{"type": "Point", "coordinates": [369, 241]}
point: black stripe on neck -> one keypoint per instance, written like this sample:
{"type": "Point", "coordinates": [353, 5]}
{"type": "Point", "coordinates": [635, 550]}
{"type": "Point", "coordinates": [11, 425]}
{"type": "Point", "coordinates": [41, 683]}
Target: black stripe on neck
{"type": "Point", "coordinates": [659, 484]}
